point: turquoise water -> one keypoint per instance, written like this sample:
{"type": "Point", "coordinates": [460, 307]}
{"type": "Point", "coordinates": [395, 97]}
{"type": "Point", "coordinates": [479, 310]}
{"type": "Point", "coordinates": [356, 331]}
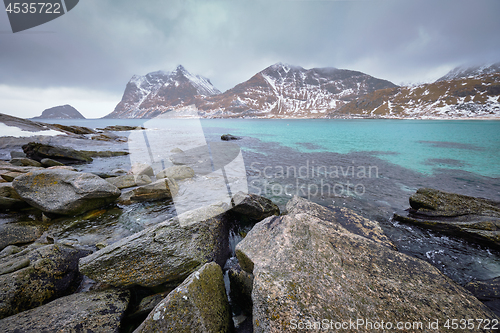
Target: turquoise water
{"type": "Point", "coordinates": [419, 145]}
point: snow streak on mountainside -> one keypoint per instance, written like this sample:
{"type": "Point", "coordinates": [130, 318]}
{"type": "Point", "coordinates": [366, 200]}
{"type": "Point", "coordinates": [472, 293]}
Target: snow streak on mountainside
{"type": "Point", "coordinates": [475, 96]}
{"type": "Point", "coordinates": [470, 72]}
{"type": "Point", "coordinates": [158, 92]}
{"type": "Point", "coordinates": [285, 91]}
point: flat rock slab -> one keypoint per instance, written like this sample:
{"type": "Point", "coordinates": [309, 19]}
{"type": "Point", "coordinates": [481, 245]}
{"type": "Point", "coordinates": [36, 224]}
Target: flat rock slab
{"type": "Point", "coordinates": [82, 312]}
{"type": "Point", "coordinates": [176, 172]}
{"type": "Point", "coordinates": [166, 252]}
{"type": "Point", "coordinates": [36, 276]}
{"type": "Point", "coordinates": [161, 189]}
{"type": "Point", "coordinates": [308, 268]}
{"type": "Point", "coordinates": [474, 219]}
{"type": "Point", "coordinates": [199, 304]}
{"type": "Point", "coordinates": [64, 192]}
{"type": "Point", "coordinates": [127, 181]}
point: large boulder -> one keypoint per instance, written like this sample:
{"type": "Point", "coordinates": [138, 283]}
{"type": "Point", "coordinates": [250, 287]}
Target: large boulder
{"type": "Point", "coordinates": [37, 275]}
{"type": "Point", "coordinates": [475, 219]}
{"type": "Point", "coordinates": [253, 207]}
{"type": "Point", "coordinates": [307, 268]}
{"type": "Point", "coordinates": [99, 311]}
{"type": "Point", "coordinates": [39, 151]}
{"type": "Point", "coordinates": [64, 192]}
{"type": "Point", "coordinates": [142, 169]}
{"type": "Point", "coordinates": [166, 252]}
{"type": "Point", "coordinates": [199, 305]}
{"type": "Point", "coordinates": [487, 291]}
{"type": "Point", "coordinates": [176, 172]}
{"type": "Point", "coordinates": [158, 190]}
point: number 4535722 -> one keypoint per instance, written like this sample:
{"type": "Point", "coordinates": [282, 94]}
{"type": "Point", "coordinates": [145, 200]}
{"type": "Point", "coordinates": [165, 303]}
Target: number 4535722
{"type": "Point", "coordinates": [33, 8]}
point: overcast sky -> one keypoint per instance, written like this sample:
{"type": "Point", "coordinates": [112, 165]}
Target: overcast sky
{"type": "Point", "coordinates": [86, 57]}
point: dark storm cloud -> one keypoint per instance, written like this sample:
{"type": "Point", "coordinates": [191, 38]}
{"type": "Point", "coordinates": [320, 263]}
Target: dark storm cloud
{"type": "Point", "coordinates": [99, 45]}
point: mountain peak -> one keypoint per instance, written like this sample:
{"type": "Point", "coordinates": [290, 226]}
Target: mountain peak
{"type": "Point", "coordinates": [61, 112]}
{"type": "Point", "coordinates": [463, 72]}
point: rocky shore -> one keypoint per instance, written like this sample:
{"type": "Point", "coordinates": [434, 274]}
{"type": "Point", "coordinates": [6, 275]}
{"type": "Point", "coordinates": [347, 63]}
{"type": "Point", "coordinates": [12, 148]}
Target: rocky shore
{"type": "Point", "coordinates": [310, 265]}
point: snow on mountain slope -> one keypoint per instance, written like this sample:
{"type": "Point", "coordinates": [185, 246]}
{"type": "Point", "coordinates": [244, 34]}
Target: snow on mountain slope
{"type": "Point", "coordinates": [475, 96]}
{"type": "Point", "coordinates": [286, 91]}
{"type": "Point", "coordinates": [158, 92]}
{"type": "Point", "coordinates": [463, 72]}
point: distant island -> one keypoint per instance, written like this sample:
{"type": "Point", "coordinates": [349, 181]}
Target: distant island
{"type": "Point", "coordinates": [60, 112]}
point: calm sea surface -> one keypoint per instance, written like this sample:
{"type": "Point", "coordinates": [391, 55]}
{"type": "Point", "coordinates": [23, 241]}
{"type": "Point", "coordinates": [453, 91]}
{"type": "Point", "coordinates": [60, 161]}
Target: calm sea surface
{"type": "Point", "coordinates": [371, 166]}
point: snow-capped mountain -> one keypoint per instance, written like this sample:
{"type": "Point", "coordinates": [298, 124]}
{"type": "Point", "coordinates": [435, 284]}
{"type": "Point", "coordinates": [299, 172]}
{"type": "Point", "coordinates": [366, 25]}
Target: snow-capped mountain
{"type": "Point", "coordinates": [463, 72]}
{"type": "Point", "coordinates": [467, 96]}
{"type": "Point", "coordinates": [60, 112]}
{"type": "Point", "coordinates": [158, 92]}
{"type": "Point", "coordinates": [286, 91]}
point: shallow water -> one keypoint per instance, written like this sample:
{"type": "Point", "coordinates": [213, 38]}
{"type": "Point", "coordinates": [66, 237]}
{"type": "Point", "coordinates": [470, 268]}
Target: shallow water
{"type": "Point", "coordinates": [371, 166]}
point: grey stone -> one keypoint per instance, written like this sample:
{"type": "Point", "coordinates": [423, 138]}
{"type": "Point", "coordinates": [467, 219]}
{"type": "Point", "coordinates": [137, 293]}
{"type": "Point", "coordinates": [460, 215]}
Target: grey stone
{"type": "Point", "coordinates": [48, 162]}
{"type": "Point", "coordinates": [199, 305]}
{"type": "Point", "coordinates": [308, 268]}
{"type": "Point", "coordinates": [18, 233]}
{"type": "Point", "coordinates": [142, 169]}
{"type": "Point", "coordinates": [92, 311]}
{"type": "Point", "coordinates": [176, 172]}
{"type": "Point", "coordinates": [23, 161]}
{"type": "Point", "coordinates": [159, 190]}
{"type": "Point", "coordinates": [17, 154]}
{"type": "Point", "coordinates": [126, 181]}
{"type": "Point", "coordinates": [37, 275]}
{"type": "Point", "coordinates": [166, 252]}
{"type": "Point", "coordinates": [64, 192]}
{"type": "Point", "coordinates": [254, 207]}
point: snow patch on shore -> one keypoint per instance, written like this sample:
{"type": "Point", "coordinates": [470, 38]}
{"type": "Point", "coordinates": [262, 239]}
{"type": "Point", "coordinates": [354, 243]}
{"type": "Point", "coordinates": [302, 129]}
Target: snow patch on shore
{"type": "Point", "coordinates": [17, 132]}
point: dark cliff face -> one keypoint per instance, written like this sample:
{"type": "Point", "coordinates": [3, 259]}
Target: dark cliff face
{"type": "Point", "coordinates": [61, 112]}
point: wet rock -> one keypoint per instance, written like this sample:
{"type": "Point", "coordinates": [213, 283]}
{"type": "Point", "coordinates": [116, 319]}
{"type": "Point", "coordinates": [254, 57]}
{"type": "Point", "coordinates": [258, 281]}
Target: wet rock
{"type": "Point", "coordinates": [64, 192]}
{"type": "Point", "coordinates": [166, 252]}
{"type": "Point", "coordinates": [142, 169]}
{"type": "Point", "coordinates": [241, 288]}
{"type": "Point", "coordinates": [229, 137]}
{"type": "Point", "coordinates": [36, 276]}
{"type": "Point", "coordinates": [199, 304]}
{"type": "Point", "coordinates": [92, 311]}
{"type": "Point", "coordinates": [176, 172]}
{"type": "Point", "coordinates": [254, 207]}
{"type": "Point", "coordinates": [126, 181]}
{"type": "Point", "coordinates": [475, 219]}
{"type": "Point", "coordinates": [47, 162]}
{"type": "Point", "coordinates": [487, 291]}
{"type": "Point", "coordinates": [345, 217]}
{"type": "Point", "coordinates": [25, 162]}
{"type": "Point", "coordinates": [159, 190]}
{"type": "Point", "coordinates": [39, 151]}
{"type": "Point", "coordinates": [18, 233]}
{"type": "Point", "coordinates": [310, 268]}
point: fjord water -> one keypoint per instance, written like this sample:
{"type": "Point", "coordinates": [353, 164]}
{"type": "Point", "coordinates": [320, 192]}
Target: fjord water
{"type": "Point", "coordinates": [371, 166]}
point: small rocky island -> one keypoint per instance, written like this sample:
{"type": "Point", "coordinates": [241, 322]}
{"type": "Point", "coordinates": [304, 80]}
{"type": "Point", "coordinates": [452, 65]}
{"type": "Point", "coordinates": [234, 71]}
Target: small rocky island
{"type": "Point", "coordinates": [308, 268]}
